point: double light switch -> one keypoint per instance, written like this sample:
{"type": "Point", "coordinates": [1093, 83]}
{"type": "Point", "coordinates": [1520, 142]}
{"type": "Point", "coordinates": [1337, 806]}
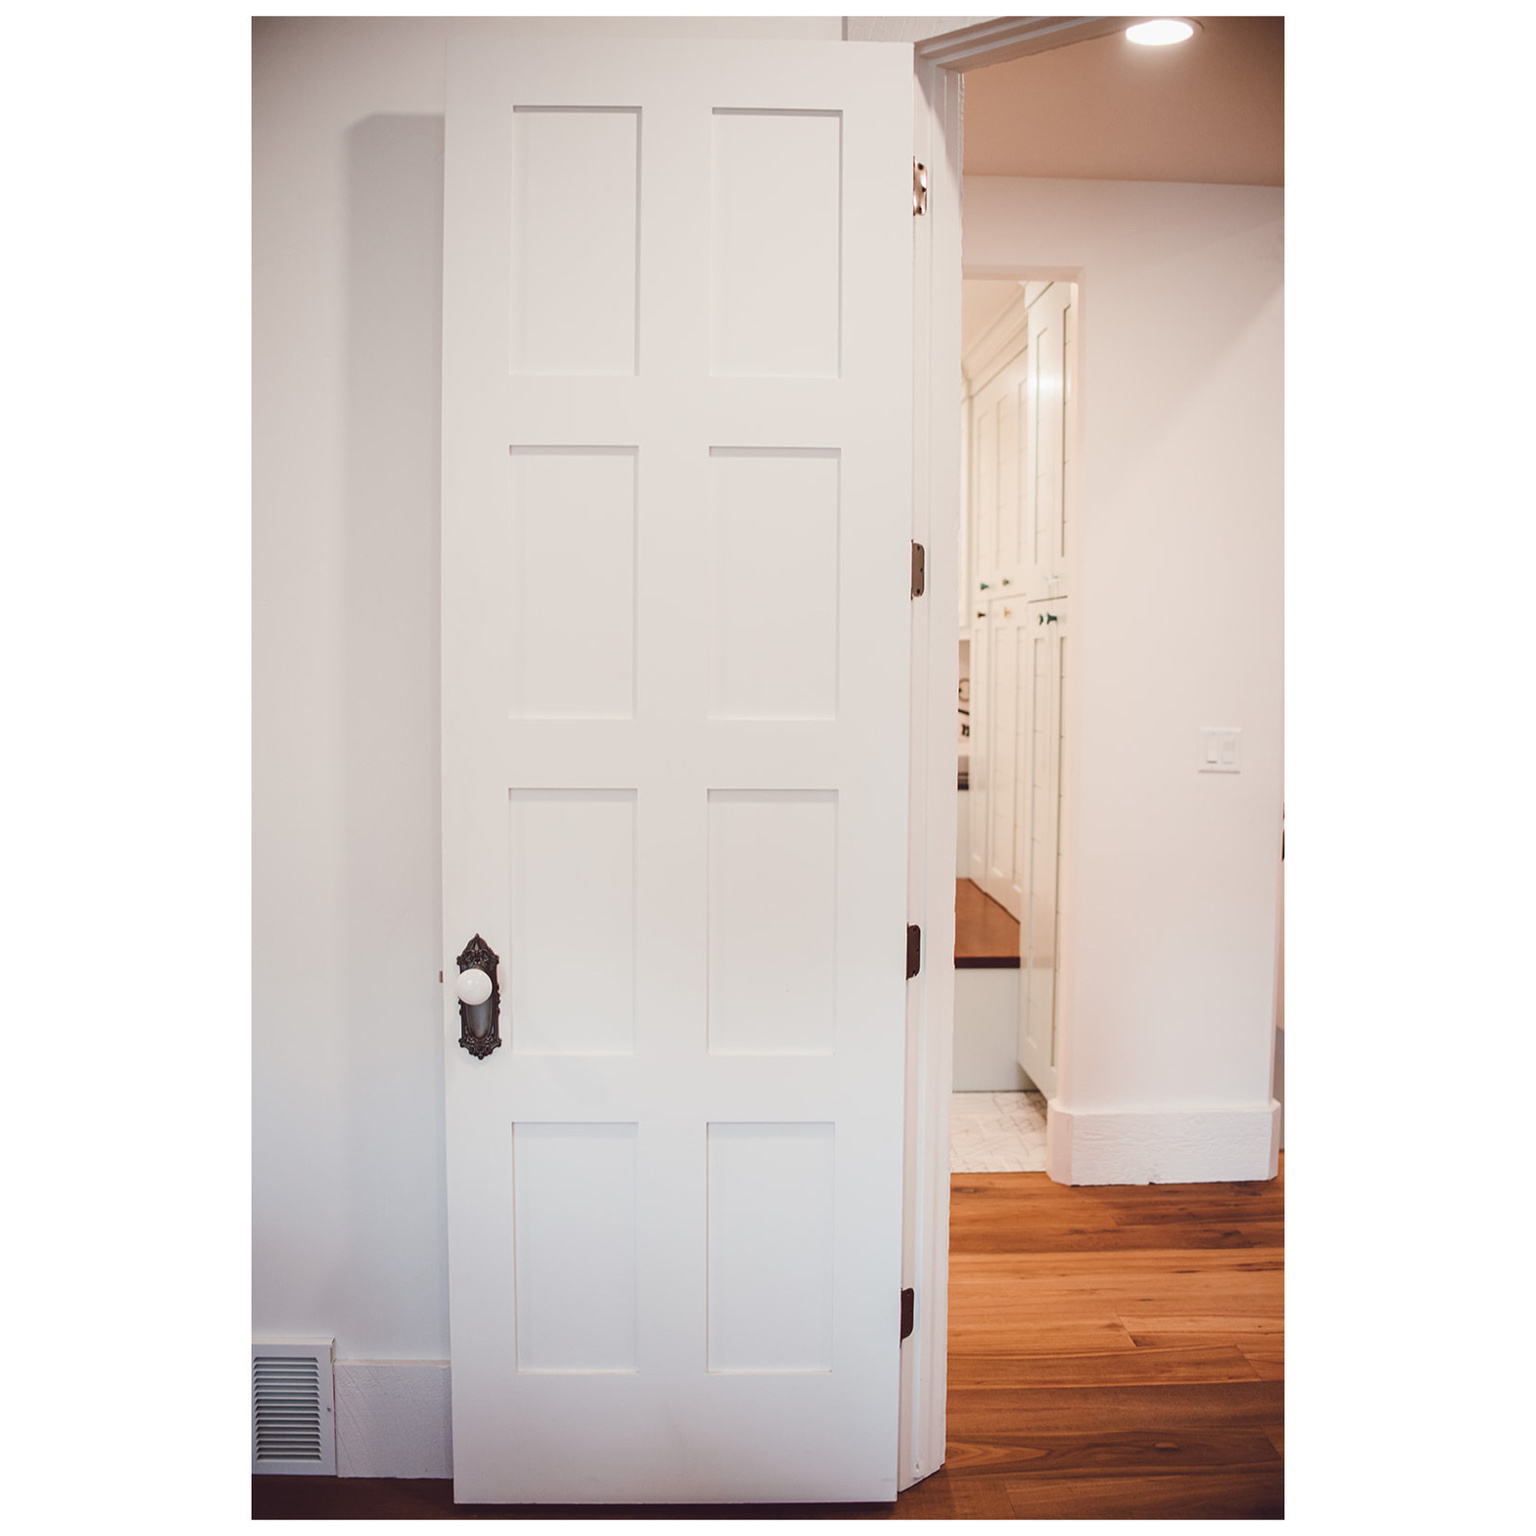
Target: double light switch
{"type": "Point", "coordinates": [1221, 749]}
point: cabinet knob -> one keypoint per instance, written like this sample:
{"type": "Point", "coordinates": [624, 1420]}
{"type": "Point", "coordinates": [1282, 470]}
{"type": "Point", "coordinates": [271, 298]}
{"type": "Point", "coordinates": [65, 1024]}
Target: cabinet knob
{"type": "Point", "coordinates": [985, 585]}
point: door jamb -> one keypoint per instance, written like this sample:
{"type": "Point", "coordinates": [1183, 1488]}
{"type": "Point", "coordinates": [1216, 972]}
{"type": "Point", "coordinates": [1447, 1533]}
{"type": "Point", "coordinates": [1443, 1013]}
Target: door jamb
{"type": "Point", "coordinates": [938, 96]}
{"type": "Point", "coordinates": [937, 100]}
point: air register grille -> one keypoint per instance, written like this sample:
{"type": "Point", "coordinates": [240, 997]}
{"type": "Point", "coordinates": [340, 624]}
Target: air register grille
{"type": "Point", "coordinates": [292, 1408]}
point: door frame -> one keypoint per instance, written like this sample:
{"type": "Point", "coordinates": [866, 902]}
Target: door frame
{"type": "Point", "coordinates": [936, 474]}
{"type": "Point", "coordinates": [937, 420]}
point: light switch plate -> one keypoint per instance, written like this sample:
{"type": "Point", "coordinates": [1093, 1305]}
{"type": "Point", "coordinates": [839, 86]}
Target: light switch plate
{"type": "Point", "coordinates": [1221, 749]}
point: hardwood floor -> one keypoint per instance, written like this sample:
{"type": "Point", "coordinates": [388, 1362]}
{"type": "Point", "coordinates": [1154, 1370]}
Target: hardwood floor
{"type": "Point", "coordinates": [1114, 1353]}
{"type": "Point", "coordinates": [985, 935]}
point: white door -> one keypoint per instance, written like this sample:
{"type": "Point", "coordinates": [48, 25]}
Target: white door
{"type": "Point", "coordinates": [676, 512]}
{"type": "Point", "coordinates": [1044, 646]}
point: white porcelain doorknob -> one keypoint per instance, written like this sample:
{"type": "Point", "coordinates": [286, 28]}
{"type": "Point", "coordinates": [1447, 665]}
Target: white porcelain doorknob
{"type": "Point", "coordinates": [474, 986]}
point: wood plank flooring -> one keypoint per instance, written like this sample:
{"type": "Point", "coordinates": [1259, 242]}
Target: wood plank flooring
{"type": "Point", "coordinates": [985, 935]}
{"type": "Point", "coordinates": [1114, 1353]}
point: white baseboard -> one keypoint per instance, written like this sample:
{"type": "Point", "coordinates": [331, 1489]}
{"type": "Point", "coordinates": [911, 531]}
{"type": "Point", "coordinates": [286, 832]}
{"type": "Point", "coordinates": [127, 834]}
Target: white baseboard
{"type": "Point", "coordinates": [1279, 1089]}
{"type": "Point", "coordinates": [1196, 1146]}
{"type": "Point", "coordinates": [393, 1419]}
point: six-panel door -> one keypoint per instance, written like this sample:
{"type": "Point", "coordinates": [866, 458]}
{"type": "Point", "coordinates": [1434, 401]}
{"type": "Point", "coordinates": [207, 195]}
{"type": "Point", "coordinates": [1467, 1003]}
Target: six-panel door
{"type": "Point", "coordinates": [676, 493]}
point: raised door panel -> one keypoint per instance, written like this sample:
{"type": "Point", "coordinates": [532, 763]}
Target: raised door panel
{"type": "Point", "coordinates": [574, 1238]}
{"type": "Point", "coordinates": [772, 584]}
{"type": "Point", "coordinates": [576, 177]}
{"type": "Point", "coordinates": [570, 572]}
{"type": "Point", "coordinates": [776, 243]}
{"type": "Point", "coordinates": [571, 868]}
{"type": "Point", "coordinates": [772, 922]}
{"type": "Point", "coordinates": [771, 1247]}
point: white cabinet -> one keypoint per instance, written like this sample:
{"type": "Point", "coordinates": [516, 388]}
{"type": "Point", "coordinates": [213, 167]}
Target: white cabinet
{"type": "Point", "coordinates": [996, 743]}
{"type": "Point", "coordinates": [1021, 427]}
{"type": "Point", "coordinates": [1050, 419]}
{"type": "Point", "coordinates": [1044, 645]}
{"type": "Point", "coordinates": [1006, 727]}
{"type": "Point", "coordinates": [999, 425]}
{"type": "Point", "coordinates": [980, 775]}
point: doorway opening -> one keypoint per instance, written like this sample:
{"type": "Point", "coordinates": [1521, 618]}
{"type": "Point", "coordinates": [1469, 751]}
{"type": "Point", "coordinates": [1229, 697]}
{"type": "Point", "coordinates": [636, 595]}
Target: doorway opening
{"type": "Point", "coordinates": [1018, 431]}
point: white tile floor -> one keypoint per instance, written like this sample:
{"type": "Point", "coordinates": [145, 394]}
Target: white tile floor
{"type": "Point", "coordinates": [997, 1133]}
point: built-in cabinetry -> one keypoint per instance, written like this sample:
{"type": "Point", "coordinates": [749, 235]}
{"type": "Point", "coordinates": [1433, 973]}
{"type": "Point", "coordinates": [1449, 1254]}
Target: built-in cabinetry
{"type": "Point", "coordinates": [1021, 416]}
{"type": "Point", "coordinates": [1045, 632]}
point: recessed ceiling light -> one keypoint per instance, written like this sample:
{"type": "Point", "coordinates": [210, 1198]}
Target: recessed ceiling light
{"type": "Point", "coordinates": [1158, 34]}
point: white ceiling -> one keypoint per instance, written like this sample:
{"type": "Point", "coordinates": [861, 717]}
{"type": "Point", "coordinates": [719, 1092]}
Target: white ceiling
{"type": "Point", "coordinates": [1210, 109]}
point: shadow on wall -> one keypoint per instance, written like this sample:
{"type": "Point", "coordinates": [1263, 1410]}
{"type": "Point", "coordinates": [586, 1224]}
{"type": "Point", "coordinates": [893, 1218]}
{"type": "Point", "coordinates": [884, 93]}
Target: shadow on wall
{"type": "Point", "coordinates": [394, 1196]}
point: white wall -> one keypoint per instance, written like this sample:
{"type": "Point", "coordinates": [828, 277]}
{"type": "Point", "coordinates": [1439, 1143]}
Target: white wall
{"type": "Point", "coordinates": [348, 1199]}
{"type": "Point", "coordinates": [349, 1231]}
{"type": "Point", "coordinates": [1170, 935]}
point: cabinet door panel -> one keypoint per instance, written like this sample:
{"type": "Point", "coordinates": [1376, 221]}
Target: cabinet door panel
{"type": "Point", "coordinates": [981, 748]}
{"type": "Point", "coordinates": [1049, 431]}
{"type": "Point", "coordinates": [1045, 628]}
{"type": "Point", "coordinates": [1006, 741]}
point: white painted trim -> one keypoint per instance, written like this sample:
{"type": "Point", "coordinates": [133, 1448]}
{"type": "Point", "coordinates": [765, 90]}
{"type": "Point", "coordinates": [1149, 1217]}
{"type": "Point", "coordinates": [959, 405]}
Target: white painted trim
{"type": "Point", "coordinates": [997, 346]}
{"type": "Point", "coordinates": [1001, 38]}
{"type": "Point", "coordinates": [1003, 338]}
{"type": "Point", "coordinates": [393, 1419]}
{"type": "Point", "coordinates": [1277, 1062]}
{"type": "Point", "coordinates": [1162, 1147]}
{"type": "Point", "coordinates": [905, 29]}
{"type": "Point", "coordinates": [971, 42]}
{"type": "Point", "coordinates": [1279, 1085]}
{"type": "Point", "coordinates": [965, 575]}
{"type": "Point", "coordinates": [931, 852]}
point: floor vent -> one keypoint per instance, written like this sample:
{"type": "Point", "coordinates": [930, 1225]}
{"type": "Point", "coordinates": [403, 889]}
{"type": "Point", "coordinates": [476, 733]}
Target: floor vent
{"type": "Point", "coordinates": [293, 1407]}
